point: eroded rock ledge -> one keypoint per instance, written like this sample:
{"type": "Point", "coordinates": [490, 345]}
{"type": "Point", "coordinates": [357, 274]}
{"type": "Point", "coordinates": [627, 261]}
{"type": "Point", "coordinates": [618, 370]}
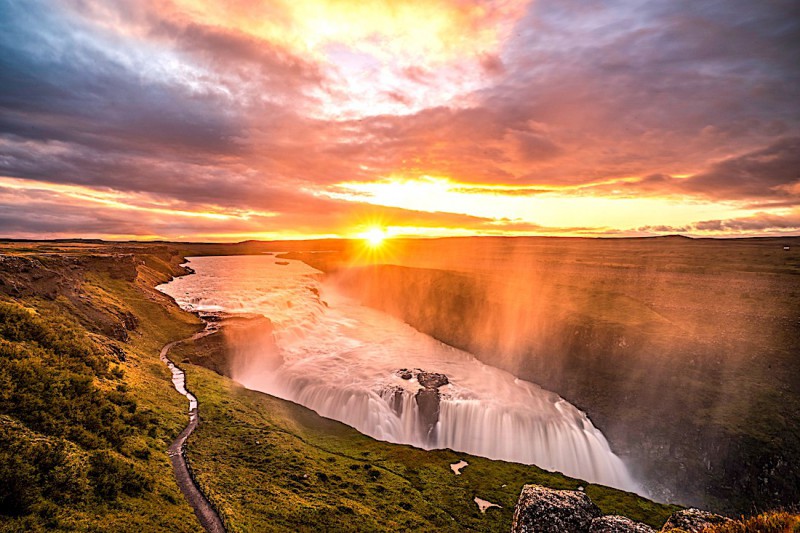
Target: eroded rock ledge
{"type": "Point", "coordinates": [427, 398]}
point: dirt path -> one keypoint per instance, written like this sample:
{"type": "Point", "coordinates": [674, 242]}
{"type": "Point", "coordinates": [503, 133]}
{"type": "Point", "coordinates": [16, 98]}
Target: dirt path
{"type": "Point", "coordinates": [208, 517]}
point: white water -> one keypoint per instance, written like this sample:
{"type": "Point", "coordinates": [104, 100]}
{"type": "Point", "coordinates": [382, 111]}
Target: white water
{"type": "Point", "coordinates": [340, 360]}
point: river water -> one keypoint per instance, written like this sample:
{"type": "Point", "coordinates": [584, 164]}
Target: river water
{"type": "Point", "coordinates": [341, 359]}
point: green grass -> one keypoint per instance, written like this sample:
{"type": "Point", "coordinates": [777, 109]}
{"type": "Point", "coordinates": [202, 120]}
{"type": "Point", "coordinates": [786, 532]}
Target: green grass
{"type": "Point", "coordinates": [99, 480]}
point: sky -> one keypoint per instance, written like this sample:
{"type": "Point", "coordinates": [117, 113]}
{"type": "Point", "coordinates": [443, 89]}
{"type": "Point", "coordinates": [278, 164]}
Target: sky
{"type": "Point", "coordinates": [231, 120]}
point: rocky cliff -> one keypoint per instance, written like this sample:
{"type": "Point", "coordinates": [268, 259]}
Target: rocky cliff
{"type": "Point", "coordinates": [689, 373]}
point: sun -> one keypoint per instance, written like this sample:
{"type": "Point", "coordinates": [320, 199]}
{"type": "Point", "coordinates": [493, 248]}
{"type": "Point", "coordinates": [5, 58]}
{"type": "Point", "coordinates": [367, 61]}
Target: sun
{"type": "Point", "coordinates": [374, 237]}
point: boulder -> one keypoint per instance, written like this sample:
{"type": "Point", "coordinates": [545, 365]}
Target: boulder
{"type": "Point", "coordinates": [432, 380]}
{"type": "Point", "coordinates": [543, 510]}
{"type": "Point", "coordinates": [693, 520]}
{"type": "Point", "coordinates": [618, 524]}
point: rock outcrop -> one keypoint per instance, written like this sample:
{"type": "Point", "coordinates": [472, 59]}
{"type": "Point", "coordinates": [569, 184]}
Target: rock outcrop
{"type": "Point", "coordinates": [427, 398]}
{"type": "Point", "coordinates": [543, 510]}
{"type": "Point", "coordinates": [238, 341]}
{"type": "Point", "coordinates": [57, 277]}
{"type": "Point", "coordinates": [432, 380]}
{"type": "Point", "coordinates": [693, 520]}
{"type": "Point", "coordinates": [394, 397]}
{"type": "Point", "coordinates": [618, 524]}
{"type": "Point", "coordinates": [428, 404]}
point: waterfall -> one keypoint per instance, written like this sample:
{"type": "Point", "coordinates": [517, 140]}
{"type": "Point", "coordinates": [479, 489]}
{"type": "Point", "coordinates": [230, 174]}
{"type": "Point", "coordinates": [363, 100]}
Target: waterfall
{"type": "Point", "coordinates": [365, 369]}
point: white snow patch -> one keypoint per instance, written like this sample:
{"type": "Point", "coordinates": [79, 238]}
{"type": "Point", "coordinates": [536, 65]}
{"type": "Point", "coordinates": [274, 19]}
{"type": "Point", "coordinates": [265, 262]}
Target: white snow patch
{"type": "Point", "coordinates": [483, 504]}
{"type": "Point", "coordinates": [456, 467]}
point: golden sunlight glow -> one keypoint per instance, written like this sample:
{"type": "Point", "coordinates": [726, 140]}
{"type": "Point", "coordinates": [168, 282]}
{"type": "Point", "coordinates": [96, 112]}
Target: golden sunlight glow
{"type": "Point", "coordinates": [511, 212]}
{"type": "Point", "coordinates": [374, 237]}
{"type": "Point", "coordinates": [431, 29]}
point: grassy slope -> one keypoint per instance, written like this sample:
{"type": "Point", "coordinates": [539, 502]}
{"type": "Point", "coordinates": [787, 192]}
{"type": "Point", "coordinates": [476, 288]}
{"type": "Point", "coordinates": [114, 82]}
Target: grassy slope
{"type": "Point", "coordinates": [147, 380]}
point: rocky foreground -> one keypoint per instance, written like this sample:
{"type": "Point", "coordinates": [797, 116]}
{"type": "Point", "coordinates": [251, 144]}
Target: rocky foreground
{"type": "Point", "coordinates": [544, 510]}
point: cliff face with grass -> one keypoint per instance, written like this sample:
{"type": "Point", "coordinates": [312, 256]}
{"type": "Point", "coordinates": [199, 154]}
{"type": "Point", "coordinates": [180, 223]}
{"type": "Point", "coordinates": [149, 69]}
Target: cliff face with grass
{"type": "Point", "coordinates": [682, 352]}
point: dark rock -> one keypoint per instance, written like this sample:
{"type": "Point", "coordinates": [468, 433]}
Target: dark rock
{"type": "Point", "coordinates": [427, 398]}
{"type": "Point", "coordinates": [129, 321]}
{"type": "Point", "coordinates": [543, 510]}
{"type": "Point", "coordinates": [618, 524]}
{"type": "Point", "coordinates": [394, 397]}
{"type": "Point", "coordinates": [428, 403]}
{"type": "Point", "coordinates": [693, 520]}
{"type": "Point", "coordinates": [118, 352]}
{"type": "Point", "coordinates": [116, 331]}
{"type": "Point", "coordinates": [432, 380]}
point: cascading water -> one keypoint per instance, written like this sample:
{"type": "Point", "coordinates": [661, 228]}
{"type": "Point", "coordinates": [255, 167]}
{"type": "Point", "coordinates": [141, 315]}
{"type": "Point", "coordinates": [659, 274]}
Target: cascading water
{"type": "Point", "coordinates": [369, 370]}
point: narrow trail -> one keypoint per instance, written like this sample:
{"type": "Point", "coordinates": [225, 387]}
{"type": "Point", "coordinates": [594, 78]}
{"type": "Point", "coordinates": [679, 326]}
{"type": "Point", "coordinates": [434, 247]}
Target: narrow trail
{"type": "Point", "coordinates": [205, 512]}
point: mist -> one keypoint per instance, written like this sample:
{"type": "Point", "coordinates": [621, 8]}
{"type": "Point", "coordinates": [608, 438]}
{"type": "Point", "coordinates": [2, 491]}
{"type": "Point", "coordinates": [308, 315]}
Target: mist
{"type": "Point", "coordinates": [681, 351]}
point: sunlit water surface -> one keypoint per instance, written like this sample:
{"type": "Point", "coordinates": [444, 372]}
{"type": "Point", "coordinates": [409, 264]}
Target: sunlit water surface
{"type": "Point", "coordinates": [340, 359]}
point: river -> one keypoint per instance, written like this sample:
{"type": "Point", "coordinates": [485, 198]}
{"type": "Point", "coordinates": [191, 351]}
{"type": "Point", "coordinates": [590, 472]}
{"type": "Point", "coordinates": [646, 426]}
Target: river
{"type": "Point", "coordinates": [344, 361]}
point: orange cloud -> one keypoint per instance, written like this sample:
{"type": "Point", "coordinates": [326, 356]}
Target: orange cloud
{"type": "Point", "coordinates": [367, 48]}
{"type": "Point", "coordinates": [427, 30]}
{"type": "Point", "coordinates": [214, 118]}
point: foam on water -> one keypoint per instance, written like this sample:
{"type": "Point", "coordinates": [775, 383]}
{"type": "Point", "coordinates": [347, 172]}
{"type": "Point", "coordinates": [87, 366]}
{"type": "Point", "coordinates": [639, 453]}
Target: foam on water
{"type": "Point", "coordinates": [340, 359]}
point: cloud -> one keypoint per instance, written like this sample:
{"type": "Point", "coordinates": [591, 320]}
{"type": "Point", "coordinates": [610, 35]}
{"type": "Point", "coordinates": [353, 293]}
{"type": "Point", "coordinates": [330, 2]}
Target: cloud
{"type": "Point", "coordinates": [37, 211]}
{"type": "Point", "coordinates": [258, 107]}
{"type": "Point", "coordinates": [768, 176]}
{"type": "Point", "coordinates": [766, 172]}
{"type": "Point", "coordinates": [758, 223]}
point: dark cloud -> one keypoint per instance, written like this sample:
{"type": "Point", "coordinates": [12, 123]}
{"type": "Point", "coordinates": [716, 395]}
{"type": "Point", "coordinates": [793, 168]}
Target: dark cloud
{"type": "Point", "coordinates": [770, 171]}
{"type": "Point", "coordinates": [754, 224]}
{"type": "Point", "coordinates": [766, 177]}
{"type": "Point", "coordinates": [758, 223]}
{"type": "Point", "coordinates": [493, 64]}
{"type": "Point", "coordinates": [57, 87]}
